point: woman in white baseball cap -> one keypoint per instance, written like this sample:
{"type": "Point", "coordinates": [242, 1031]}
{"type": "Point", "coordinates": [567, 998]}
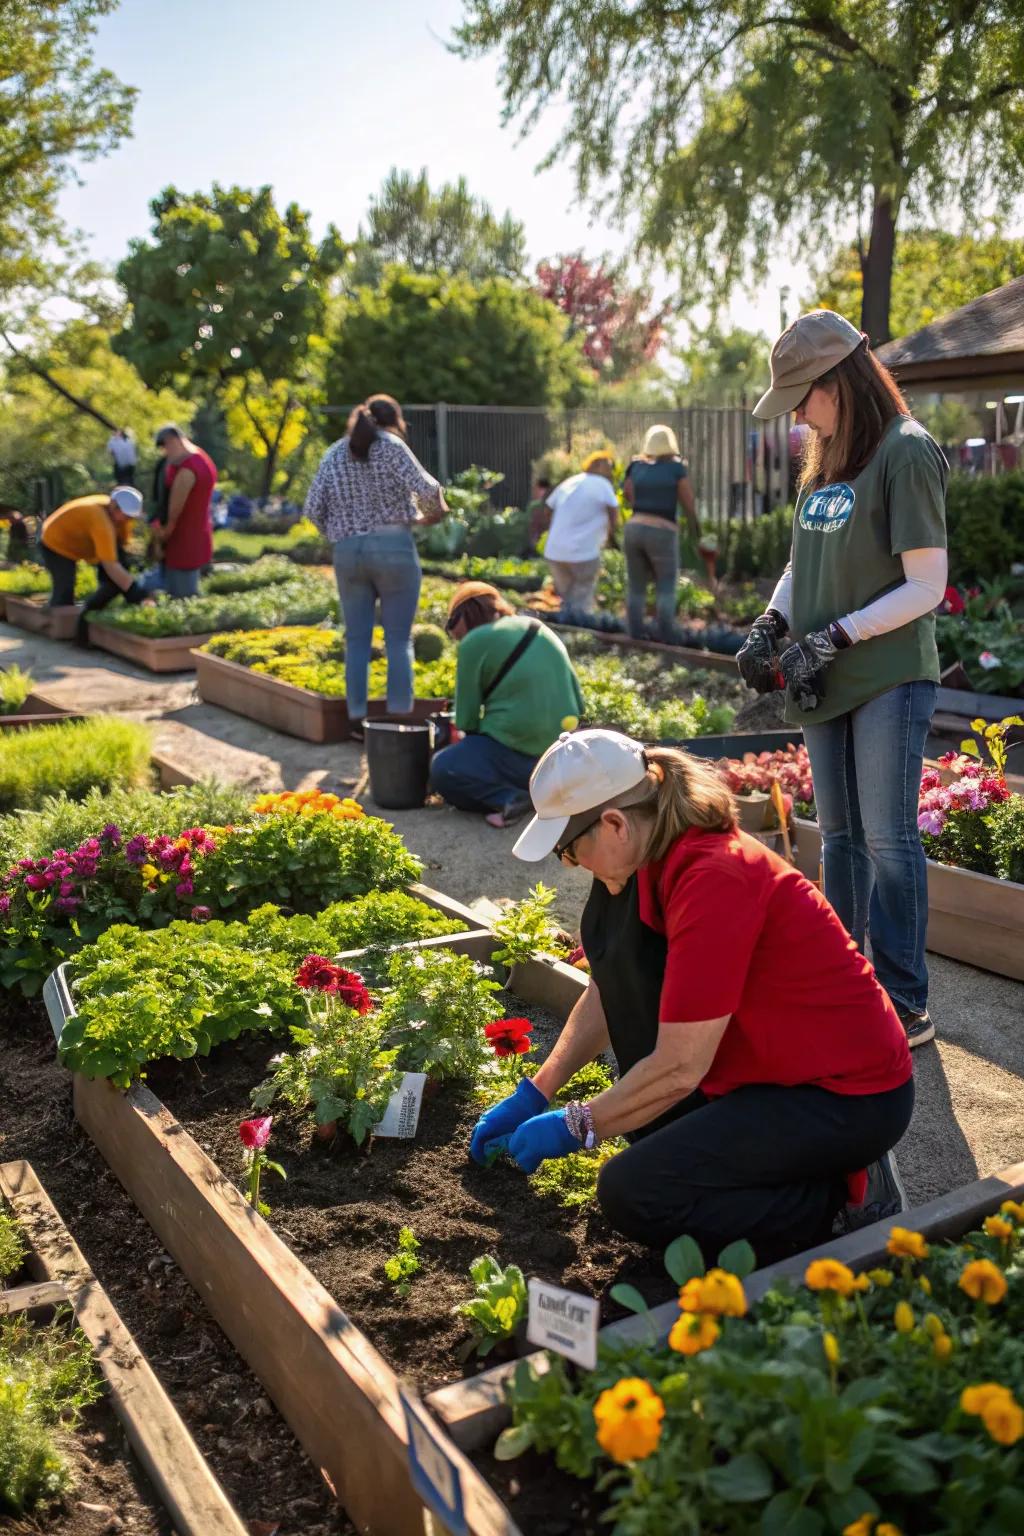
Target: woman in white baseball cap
{"type": "Point", "coordinates": [761, 1066]}
{"type": "Point", "coordinates": [850, 633]}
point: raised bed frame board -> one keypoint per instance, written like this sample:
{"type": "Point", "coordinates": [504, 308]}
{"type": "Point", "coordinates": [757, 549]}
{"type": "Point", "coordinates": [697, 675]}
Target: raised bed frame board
{"type": "Point", "coordinates": [38, 710]}
{"type": "Point", "coordinates": [168, 653]}
{"type": "Point", "coordinates": [59, 1274]}
{"type": "Point", "coordinates": [685, 655]}
{"type": "Point", "coordinates": [284, 706]}
{"type": "Point", "coordinates": [34, 614]}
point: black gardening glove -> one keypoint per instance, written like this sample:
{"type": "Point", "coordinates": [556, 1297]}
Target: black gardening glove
{"type": "Point", "coordinates": [758, 657]}
{"type": "Point", "coordinates": [804, 664]}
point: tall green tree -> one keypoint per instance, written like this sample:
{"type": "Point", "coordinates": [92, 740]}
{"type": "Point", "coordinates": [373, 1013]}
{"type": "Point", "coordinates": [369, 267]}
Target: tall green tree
{"type": "Point", "coordinates": [933, 272]}
{"type": "Point", "coordinates": [423, 337]}
{"type": "Point", "coordinates": [739, 129]}
{"type": "Point", "coordinates": [229, 297]}
{"type": "Point", "coordinates": [57, 107]}
{"type": "Point", "coordinates": [721, 367]}
{"type": "Point", "coordinates": [447, 230]}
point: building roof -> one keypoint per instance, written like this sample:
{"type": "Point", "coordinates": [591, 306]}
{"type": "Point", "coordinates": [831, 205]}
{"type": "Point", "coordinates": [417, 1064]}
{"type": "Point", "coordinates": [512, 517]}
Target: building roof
{"type": "Point", "coordinates": [986, 335]}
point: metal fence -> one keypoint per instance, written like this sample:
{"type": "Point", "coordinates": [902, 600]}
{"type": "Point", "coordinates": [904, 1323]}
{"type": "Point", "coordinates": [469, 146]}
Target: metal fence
{"type": "Point", "coordinates": [739, 467]}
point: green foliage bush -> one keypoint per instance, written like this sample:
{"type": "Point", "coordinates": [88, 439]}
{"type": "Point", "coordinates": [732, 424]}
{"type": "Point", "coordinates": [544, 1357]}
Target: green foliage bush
{"type": "Point", "coordinates": [314, 658]}
{"type": "Point", "coordinates": [47, 1377]}
{"type": "Point", "coordinates": [614, 698]}
{"type": "Point", "coordinates": [12, 1247]}
{"type": "Point", "coordinates": [15, 687]}
{"type": "Point", "coordinates": [28, 579]}
{"type": "Point", "coordinates": [102, 753]}
{"type": "Point", "coordinates": [306, 598]}
{"type": "Point", "coordinates": [265, 572]}
{"type": "Point", "coordinates": [429, 642]}
{"type": "Point", "coordinates": [760, 547]}
{"type": "Point", "coordinates": [984, 525]}
{"type": "Point", "coordinates": [434, 1009]}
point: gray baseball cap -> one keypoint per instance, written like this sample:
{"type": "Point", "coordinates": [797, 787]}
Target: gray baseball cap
{"type": "Point", "coordinates": [805, 350]}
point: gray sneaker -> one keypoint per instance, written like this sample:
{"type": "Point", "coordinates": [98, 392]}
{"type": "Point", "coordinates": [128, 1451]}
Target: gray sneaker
{"type": "Point", "coordinates": [886, 1196]}
{"type": "Point", "coordinates": [918, 1026]}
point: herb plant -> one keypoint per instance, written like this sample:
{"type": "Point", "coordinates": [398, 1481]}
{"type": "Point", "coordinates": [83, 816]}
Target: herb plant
{"type": "Point", "coordinates": [572, 1180]}
{"type": "Point", "coordinates": [12, 1246]}
{"type": "Point", "coordinates": [15, 687]}
{"type": "Point", "coordinates": [47, 1378]}
{"type": "Point", "coordinates": [28, 579]}
{"type": "Point", "coordinates": [524, 929]}
{"type": "Point", "coordinates": [403, 1265]}
{"type": "Point", "coordinates": [305, 599]}
{"type": "Point", "coordinates": [266, 572]}
{"type": "Point", "coordinates": [434, 1009]}
{"type": "Point", "coordinates": [75, 757]}
{"type": "Point", "coordinates": [498, 1304]}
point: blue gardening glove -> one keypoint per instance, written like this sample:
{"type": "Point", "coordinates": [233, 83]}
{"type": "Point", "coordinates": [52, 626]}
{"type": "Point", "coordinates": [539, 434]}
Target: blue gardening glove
{"type": "Point", "coordinates": [803, 667]}
{"type": "Point", "coordinates": [542, 1137]}
{"type": "Point", "coordinates": [492, 1130]}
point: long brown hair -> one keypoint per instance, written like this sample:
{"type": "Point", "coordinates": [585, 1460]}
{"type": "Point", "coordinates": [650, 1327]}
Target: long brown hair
{"type": "Point", "coordinates": [867, 400]}
{"type": "Point", "coordinates": [679, 791]}
{"type": "Point", "coordinates": [366, 421]}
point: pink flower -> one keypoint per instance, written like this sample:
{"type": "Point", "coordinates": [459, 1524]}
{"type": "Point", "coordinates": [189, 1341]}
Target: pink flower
{"type": "Point", "coordinates": [38, 882]}
{"type": "Point", "coordinates": [184, 888]}
{"type": "Point", "coordinates": [200, 914]}
{"type": "Point", "coordinates": [931, 822]}
{"type": "Point", "coordinates": [255, 1134]}
{"type": "Point", "coordinates": [5, 905]}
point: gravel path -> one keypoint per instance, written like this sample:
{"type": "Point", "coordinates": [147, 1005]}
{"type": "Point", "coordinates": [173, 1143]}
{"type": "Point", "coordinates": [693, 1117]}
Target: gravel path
{"type": "Point", "coordinates": [968, 1121]}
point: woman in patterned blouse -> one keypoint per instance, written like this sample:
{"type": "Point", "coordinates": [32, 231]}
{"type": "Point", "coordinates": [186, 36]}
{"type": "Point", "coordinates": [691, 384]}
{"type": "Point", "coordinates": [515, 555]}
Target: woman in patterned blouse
{"type": "Point", "coordinates": [364, 498]}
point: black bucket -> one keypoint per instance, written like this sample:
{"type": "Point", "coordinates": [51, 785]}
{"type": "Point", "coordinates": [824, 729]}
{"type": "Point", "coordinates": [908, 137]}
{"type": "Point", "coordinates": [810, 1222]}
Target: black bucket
{"type": "Point", "coordinates": [398, 762]}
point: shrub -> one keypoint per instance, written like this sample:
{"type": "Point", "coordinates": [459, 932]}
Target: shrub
{"type": "Point", "coordinates": [429, 642]}
{"type": "Point", "coordinates": [984, 524]}
{"type": "Point", "coordinates": [305, 599]}
{"type": "Point", "coordinates": [47, 1377]}
{"type": "Point", "coordinates": [15, 687]}
{"type": "Point", "coordinates": [265, 572]}
{"type": "Point", "coordinates": [28, 579]}
{"type": "Point", "coordinates": [434, 1010]}
{"type": "Point", "coordinates": [12, 1247]}
{"type": "Point", "coordinates": [75, 757]}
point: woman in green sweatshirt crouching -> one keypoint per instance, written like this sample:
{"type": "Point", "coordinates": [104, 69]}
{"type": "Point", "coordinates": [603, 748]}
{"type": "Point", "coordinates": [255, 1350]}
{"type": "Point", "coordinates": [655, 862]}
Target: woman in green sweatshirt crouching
{"type": "Point", "coordinates": [515, 693]}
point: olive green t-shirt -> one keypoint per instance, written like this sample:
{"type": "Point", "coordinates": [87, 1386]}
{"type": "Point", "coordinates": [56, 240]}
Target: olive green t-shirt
{"type": "Point", "coordinates": [538, 698]}
{"type": "Point", "coordinates": [847, 542]}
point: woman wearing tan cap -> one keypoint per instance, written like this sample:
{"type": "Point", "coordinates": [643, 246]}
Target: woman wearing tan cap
{"type": "Point", "coordinates": [850, 634]}
{"type": "Point", "coordinates": [657, 484]}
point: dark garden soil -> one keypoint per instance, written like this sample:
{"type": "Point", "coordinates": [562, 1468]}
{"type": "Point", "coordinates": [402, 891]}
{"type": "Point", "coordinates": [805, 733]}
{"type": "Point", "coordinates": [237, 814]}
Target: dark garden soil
{"type": "Point", "coordinates": [110, 1492]}
{"type": "Point", "coordinates": [249, 1447]}
{"type": "Point", "coordinates": [341, 1209]}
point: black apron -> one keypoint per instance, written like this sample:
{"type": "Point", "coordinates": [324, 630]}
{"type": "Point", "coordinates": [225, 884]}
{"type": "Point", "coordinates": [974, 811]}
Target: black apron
{"type": "Point", "coordinates": [627, 962]}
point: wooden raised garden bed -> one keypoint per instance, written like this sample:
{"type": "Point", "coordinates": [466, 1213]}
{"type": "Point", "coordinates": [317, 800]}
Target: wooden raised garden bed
{"type": "Point", "coordinates": [685, 655]}
{"type": "Point", "coordinates": [37, 710]}
{"type": "Point", "coordinates": [168, 653]}
{"type": "Point", "coordinates": [283, 706]}
{"type": "Point", "coordinates": [33, 613]}
{"type": "Point", "coordinates": [59, 1275]}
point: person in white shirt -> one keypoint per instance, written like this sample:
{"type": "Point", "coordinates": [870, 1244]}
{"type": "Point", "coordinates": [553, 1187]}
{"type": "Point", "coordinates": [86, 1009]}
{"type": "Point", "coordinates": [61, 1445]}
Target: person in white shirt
{"type": "Point", "coordinates": [585, 514]}
{"type": "Point", "coordinates": [125, 455]}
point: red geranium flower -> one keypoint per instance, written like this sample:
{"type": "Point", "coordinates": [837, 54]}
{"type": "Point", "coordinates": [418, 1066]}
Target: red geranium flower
{"type": "Point", "coordinates": [952, 602]}
{"type": "Point", "coordinates": [255, 1134]}
{"type": "Point", "coordinates": [509, 1037]}
{"type": "Point", "coordinates": [318, 974]}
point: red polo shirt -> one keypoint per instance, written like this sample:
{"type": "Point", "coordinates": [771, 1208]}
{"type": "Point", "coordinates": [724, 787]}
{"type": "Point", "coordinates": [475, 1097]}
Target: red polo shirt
{"type": "Point", "coordinates": [748, 936]}
{"type": "Point", "coordinates": [191, 544]}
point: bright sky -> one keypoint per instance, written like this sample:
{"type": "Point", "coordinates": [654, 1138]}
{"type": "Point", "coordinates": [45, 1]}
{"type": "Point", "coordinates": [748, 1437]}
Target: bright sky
{"type": "Point", "coordinates": [321, 98]}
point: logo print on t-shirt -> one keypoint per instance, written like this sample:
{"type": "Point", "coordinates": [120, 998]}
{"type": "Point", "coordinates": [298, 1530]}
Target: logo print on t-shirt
{"type": "Point", "coordinates": [828, 509]}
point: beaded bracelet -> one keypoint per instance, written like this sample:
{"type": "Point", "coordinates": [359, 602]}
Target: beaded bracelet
{"type": "Point", "coordinates": [580, 1120]}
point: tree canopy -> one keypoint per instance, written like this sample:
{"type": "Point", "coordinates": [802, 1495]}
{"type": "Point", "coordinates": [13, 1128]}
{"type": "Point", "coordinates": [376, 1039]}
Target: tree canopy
{"type": "Point", "coordinates": [739, 129]}
{"type": "Point", "coordinates": [425, 337]}
{"type": "Point", "coordinates": [449, 230]}
{"type": "Point", "coordinates": [934, 272]}
{"type": "Point", "coordinates": [56, 107]}
{"type": "Point", "coordinates": [721, 367]}
{"type": "Point", "coordinates": [601, 307]}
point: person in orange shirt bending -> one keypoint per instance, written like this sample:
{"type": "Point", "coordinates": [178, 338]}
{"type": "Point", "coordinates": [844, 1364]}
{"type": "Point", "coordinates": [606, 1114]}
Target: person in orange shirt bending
{"type": "Point", "coordinates": [93, 529]}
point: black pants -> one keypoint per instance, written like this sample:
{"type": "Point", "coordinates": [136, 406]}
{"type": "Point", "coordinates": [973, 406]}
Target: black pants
{"type": "Point", "coordinates": [124, 474]}
{"type": "Point", "coordinates": [62, 575]}
{"type": "Point", "coordinates": [766, 1163]}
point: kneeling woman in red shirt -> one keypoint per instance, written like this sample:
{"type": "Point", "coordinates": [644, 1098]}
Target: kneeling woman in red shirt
{"type": "Point", "coordinates": [762, 1067]}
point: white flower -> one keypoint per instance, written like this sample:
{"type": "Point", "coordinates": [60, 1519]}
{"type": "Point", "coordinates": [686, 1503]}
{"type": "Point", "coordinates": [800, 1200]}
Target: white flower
{"type": "Point", "coordinates": [988, 661]}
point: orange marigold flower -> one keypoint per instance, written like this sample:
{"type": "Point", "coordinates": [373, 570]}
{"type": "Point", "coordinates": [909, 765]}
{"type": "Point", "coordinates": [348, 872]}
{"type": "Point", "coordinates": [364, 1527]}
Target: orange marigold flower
{"type": "Point", "coordinates": [904, 1244]}
{"type": "Point", "coordinates": [983, 1281]}
{"type": "Point", "coordinates": [628, 1418]}
{"type": "Point", "coordinates": [903, 1317]}
{"type": "Point", "coordinates": [973, 1399]}
{"type": "Point", "coordinates": [830, 1275]}
{"type": "Point", "coordinates": [862, 1527]}
{"type": "Point", "coordinates": [942, 1346]}
{"type": "Point", "coordinates": [1013, 1208]}
{"type": "Point", "coordinates": [1003, 1417]}
{"type": "Point", "coordinates": [998, 1226]}
{"type": "Point", "coordinates": [717, 1292]}
{"type": "Point", "coordinates": [693, 1332]}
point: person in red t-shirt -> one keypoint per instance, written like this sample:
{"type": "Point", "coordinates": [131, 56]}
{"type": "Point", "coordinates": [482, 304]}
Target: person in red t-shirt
{"type": "Point", "coordinates": [762, 1068]}
{"type": "Point", "coordinates": [185, 541]}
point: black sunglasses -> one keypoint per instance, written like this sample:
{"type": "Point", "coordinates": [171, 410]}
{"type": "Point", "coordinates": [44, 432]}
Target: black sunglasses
{"type": "Point", "coordinates": [564, 851]}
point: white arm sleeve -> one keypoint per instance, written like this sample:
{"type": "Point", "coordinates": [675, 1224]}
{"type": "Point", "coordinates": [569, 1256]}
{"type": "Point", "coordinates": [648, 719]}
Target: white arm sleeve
{"type": "Point", "coordinates": [782, 598]}
{"type": "Point", "coordinates": [924, 583]}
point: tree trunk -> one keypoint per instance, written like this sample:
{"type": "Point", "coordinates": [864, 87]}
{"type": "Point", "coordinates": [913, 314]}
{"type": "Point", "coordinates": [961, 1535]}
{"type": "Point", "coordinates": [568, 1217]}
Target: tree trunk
{"type": "Point", "coordinates": [876, 269]}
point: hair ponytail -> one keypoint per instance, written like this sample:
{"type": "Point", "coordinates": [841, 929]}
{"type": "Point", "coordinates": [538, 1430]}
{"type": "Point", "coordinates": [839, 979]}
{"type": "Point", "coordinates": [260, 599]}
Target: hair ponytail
{"type": "Point", "coordinates": [362, 433]}
{"type": "Point", "coordinates": [680, 791]}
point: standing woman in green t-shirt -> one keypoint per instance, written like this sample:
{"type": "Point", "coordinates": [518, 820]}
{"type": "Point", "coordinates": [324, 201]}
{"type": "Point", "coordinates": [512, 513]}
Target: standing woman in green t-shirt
{"type": "Point", "coordinates": [868, 568]}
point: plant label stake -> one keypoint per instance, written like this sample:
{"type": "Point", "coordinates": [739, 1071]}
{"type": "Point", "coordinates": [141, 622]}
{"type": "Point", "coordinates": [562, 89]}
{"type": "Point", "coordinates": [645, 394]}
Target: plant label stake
{"type": "Point", "coordinates": [435, 1476]}
{"type": "Point", "coordinates": [564, 1321]}
{"type": "Point", "coordinates": [402, 1115]}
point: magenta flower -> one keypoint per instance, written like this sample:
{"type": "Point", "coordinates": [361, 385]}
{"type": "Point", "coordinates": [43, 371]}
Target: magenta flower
{"type": "Point", "coordinates": [5, 905]}
{"type": "Point", "coordinates": [255, 1134]}
{"type": "Point", "coordinates": [66, 905]}
{"type": "Point", "coordinates": [184, 888]}
{"type": "Point", "coordinates": [38, 882]}
{"type": "Point", "coordinates": [136, 850]}
{"type": "Point", "coordinates": [111, 834]}
{"type": "Point", "coordinates": [931, 822]}
{"type": "Point", "coordinates": [200, 914]}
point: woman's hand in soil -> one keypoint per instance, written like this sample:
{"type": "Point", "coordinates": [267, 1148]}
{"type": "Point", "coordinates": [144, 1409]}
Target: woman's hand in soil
{"type": "Point", "coordinates": [540, 1138]}
{"type": "Point", "coordinates": [492, 1130]}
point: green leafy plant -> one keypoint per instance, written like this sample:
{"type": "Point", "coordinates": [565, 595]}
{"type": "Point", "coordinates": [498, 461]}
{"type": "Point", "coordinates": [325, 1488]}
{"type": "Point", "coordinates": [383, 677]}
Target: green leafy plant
{"type": "Point", "coordinates": [524, 928]}
{"type": "Point", "coordinates": [12, 1246]}
{"type": "Point", "coordinates": [15, 687]}
{"type": "Point", "coordinates": [265, 572]}
{"type": "Point", "coordinates": [47, 1378]}
{"type": "Point", "coordinates": [434, 1009]}
{"type": "Point", "coordinates": [28, 579]}
{"type": "Point", "coordinates": [572, 1180]}
{"type": "Point", "coordinates": [498, 1304]}
{"type": "Point", "coordinates": [314, 658]}
{"type": "Point", "coordinates": [75, 757]}
{"type": "Point", "coordinates": [305, 599]}
{"type": "Point", "coordinates": [403, 1265]}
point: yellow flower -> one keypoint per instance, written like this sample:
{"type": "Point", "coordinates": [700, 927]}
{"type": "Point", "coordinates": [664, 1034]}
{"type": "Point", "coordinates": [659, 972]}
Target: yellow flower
{"type": "Point", "coordinates": [984, 1281]}
{"type": "Point", "coordinates": [829, 1275]}
{"type": "Point", "coordinates": [628, 1418]}
{"type": "Point", "coordinates": [933, 1325]}
{"type": "Point", "coordinates": [974, 1399]}
{"type": "Point", "coordinates": [149, 871]}
{"type": "Point", "coordinates": [925, 1284]}
{"type": "Point", "coordinates": [1013, 1208]}
{"type": "Point", "coordinates": [693, 1333]}
{"type": "Point", "coordinates": [862, 1282]}
{"type": "Point", "coordinates": [717, 1292]}
{"type": "Point", "coordinates": [882, 1277]}
{"type": "Point", "coordinates": [903, 1317]}
{"type": "Point", "coordinates": [1003, 1417]}
{"type": "Point", "coordinates": [942, 1346]}
{"type": "Point", "coordinates": [904, 1244]}
{"type": "Point", "coordinates": [887, 1529]}
{"type": "Point", "coordinates": [862, 1527]}
{"type": "Point", "coordinates": [998, 1226]}
{"type": "Point", "coordinates": [830, 1344]}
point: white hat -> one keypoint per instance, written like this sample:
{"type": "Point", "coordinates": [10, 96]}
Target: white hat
{"type": "Point", "coordinates": [579, 772]}
{"type": "Point", "coordinates": [128, 500]}
{"type": "Point", "coordinates": [660, 440]}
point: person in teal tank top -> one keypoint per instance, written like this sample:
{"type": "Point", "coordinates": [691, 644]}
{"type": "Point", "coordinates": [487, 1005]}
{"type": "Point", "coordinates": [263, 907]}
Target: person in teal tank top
{"type": "Point", "coordinates": [656, 486]}
{"type": "Point", "coordinates": [850, 634]}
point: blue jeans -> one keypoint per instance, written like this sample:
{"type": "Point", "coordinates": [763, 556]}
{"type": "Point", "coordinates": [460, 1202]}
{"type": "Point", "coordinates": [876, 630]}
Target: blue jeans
{"type": "Point", "coordinates": [652, 554]}
{"type": "Point", "coordinates": [177, 583]}
{"type": "Point", "coordinates": [867, 778]}
{"type": "Point", "coordinates": [384, 565]}
{"type": "Point", "coordinates": [481, 774]}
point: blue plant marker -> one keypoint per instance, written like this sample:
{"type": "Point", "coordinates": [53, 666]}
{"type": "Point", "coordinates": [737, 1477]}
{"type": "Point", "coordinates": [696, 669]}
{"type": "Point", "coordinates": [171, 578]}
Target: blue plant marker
{"type": "Point", "coordinates": [435, 1476]}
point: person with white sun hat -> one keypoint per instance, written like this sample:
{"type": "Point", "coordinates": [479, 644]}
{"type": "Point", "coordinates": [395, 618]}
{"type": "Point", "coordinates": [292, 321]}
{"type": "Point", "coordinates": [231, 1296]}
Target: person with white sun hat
{"type": "Point", "coordinates": [762, 1069]}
